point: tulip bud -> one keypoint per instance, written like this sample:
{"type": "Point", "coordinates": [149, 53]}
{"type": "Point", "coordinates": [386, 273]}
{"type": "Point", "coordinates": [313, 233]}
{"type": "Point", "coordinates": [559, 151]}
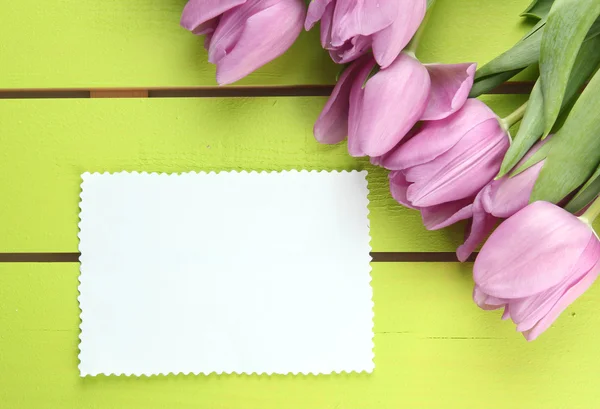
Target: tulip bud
{"type": "Point", "coordinates": [377, 109]}
{"type": "Point", "coordinates": [350, 28]}
{"type": "Point", "coordinates": [440, 170]}
{"type": "Point", "coordinates": [534, 265]}
{"type": "Point", "coordinates": [244, 35]}
{"type": "Point", "coordinates": [385, 107]}
{"type": "Point", "coordinates": [332, 125]}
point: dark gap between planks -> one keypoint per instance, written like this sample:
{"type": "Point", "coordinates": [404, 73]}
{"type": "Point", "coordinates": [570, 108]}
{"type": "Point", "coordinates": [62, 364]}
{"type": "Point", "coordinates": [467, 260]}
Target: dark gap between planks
{"type": "Point", "coordinates": [511, 88]}
{"type": "Point", "coordinates": [378, 257]}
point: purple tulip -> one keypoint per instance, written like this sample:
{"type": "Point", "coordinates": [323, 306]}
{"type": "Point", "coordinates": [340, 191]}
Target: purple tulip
{"type": "Point", "coordinates": [534, 265]}
{"type": "Point", "coordinates": [387, 106]}
{"type": "Point", "coordinates": [332, 125]}
{"type": "Point", "coordinates": [349, 28]}
{"type": "Point", "coordinates": [500, 199]}
{"type": "Point", "coordinates": [440, 169]}
{"type": "Point", "coordinates": [244, 35]}
{"type": "Point", "coordinates": [377, 112]}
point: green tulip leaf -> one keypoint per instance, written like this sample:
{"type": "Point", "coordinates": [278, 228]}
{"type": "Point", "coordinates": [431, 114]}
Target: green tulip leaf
{"type": "Point", "coordinates": [523, 54]}
{"type": "Point", "coordinates": [529, 133]}
{"type": "Point", "coordinates": [532, 126]}
{"type": "Point", "coordinates": [376, 68]}
{"type": "Point", "coordinates": [537, 157]}
{"type": "Point", "coordinates": [509, 63]}
{"type": "Point", "coordinates": [486, 84]}
{"type": "Point", "coordinates": [520, 56]}
{"type": "Point", "coordinates": [430, 3]}
{"type": "Point", "coordinates": [586, 194]}
{"type": "Point", "coordinates": [595, 30]}
{"type": "Point", "coordinates": [538, 9]}
{"type": "Point", "coordinates": [567, 26]}
{"type": "Point", "coordinates": [575, 152]}
{"type": "Point", "coordinates": [539, 26]}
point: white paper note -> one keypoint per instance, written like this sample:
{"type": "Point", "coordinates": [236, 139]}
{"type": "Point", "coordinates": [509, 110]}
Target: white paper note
{"type": "Point", "coordinates": [225, 272]}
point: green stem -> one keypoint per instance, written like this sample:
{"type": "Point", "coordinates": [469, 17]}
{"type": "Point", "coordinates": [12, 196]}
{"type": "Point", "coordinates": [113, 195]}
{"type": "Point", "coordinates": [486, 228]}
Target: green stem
{"type": "Point", "coordinates": [411, 48]}
{"type": "Point", "coordinates": [592, 212]}
{"type": "Point", "coordinates": [515, 117]}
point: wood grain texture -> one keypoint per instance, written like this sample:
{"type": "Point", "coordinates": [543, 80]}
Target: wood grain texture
{"type": "Point", "coordinates": [138, 43]}
{"type": "Point", "coordinates": [48, 144]}
{"type": "Point", "coordinates": [433, 349]}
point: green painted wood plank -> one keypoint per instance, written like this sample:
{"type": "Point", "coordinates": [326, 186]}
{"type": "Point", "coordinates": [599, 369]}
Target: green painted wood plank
{"type": "Point", "coordinates": [48, 144]}
{"type": "Point", "coordinates": [433, 349]}
{"type": "Point", "coordinates": [470, 30]}
{"type": "Point", "coordinates": [138, 43]}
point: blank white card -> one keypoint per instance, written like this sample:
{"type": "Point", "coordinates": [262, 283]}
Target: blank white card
{"type": "Point", "coordinates": [225, 272]}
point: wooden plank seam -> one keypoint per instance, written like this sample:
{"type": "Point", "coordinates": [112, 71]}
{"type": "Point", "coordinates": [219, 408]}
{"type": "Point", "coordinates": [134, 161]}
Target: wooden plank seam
{"type": "Point", "coordinates": [378, 257]}
{"type": "Point", "coordinates": [511, 88]}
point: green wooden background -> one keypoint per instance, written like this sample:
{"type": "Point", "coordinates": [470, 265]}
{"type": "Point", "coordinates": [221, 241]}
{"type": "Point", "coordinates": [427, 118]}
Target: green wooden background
{"type": "Point", "coordinates": [434, 348]}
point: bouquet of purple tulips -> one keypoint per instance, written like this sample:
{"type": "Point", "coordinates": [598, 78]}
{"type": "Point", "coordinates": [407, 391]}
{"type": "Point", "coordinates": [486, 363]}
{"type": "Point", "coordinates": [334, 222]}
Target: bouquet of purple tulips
{"type": "Point", "coordinates": [450, 156]}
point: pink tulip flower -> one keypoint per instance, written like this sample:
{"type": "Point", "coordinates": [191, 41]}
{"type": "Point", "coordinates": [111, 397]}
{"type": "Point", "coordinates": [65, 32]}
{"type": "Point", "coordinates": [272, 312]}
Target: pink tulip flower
{"type": "Point", "coordinates": [243, 35]}
{"type": "Point", "coordinates": [440, 169]}
{"type": "Point", "coordinates": [349, 28]}
{"type": "Point", "coordinates": [376, 112]}
{"type": "Point", "coordinates": [500, 199]}
{"type": "Point", "coordinates": [534, 265]}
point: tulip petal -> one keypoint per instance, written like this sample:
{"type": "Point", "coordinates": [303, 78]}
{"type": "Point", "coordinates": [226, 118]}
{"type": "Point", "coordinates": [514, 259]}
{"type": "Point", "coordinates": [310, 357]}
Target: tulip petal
{"type": "Point", "coordinates": [363, 17]}
{"type": "Point", "coordinates": [446, 214]}
{"type": "Point", "coordinates": [389, 42]}
{"type": "Point", "coordinates": [326, 21]}
{"type": "Point", "coordinates": [526, 312]}
{"type": "Point", "coordinates": [481, 226]}
{"type": "Point", "coordinates": [231, 26]}
{"type": "Point", "coordinates": [450, 87]}
{"type": "Point", "coordinates": [380, 160]}
{"type": "Point", "coordinates": [437, 137]}
{"type": "Point", "coordinates": [357, 95]}
{"type": "Point", "coordinates": [398, 187]}
{"type": "Point", "coordinates": [376, 160]}
{"type": "Point", "coordinates": [485, 301]}
{"type": "Point", "coordinates": [332, 125]}
{"type": "Point", "coordinates": [207, 28]}
{"type": "Point", "coordinates": [509, 195]}
{"type": "Point", "coordinates": [198, 15]}
{"type": "Point", "coordinates": [574, 292]}
{"type": "Point", "coordinates": [207, 38]}
{"type": "Point", "coordinates": [531, 252]}
{"type": "Point", "coordinates": [266, 35]}
{"type": "Point", "coordinates": [500, 199]}
{"type": "Point", "coordinates": [393, 101]}
{"type": "Point", "coordinates": [316, 10]}
{"type": "Point", "coordinates": [351, 50]}
{"type": "Point", "coordinates": [463, 170]}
